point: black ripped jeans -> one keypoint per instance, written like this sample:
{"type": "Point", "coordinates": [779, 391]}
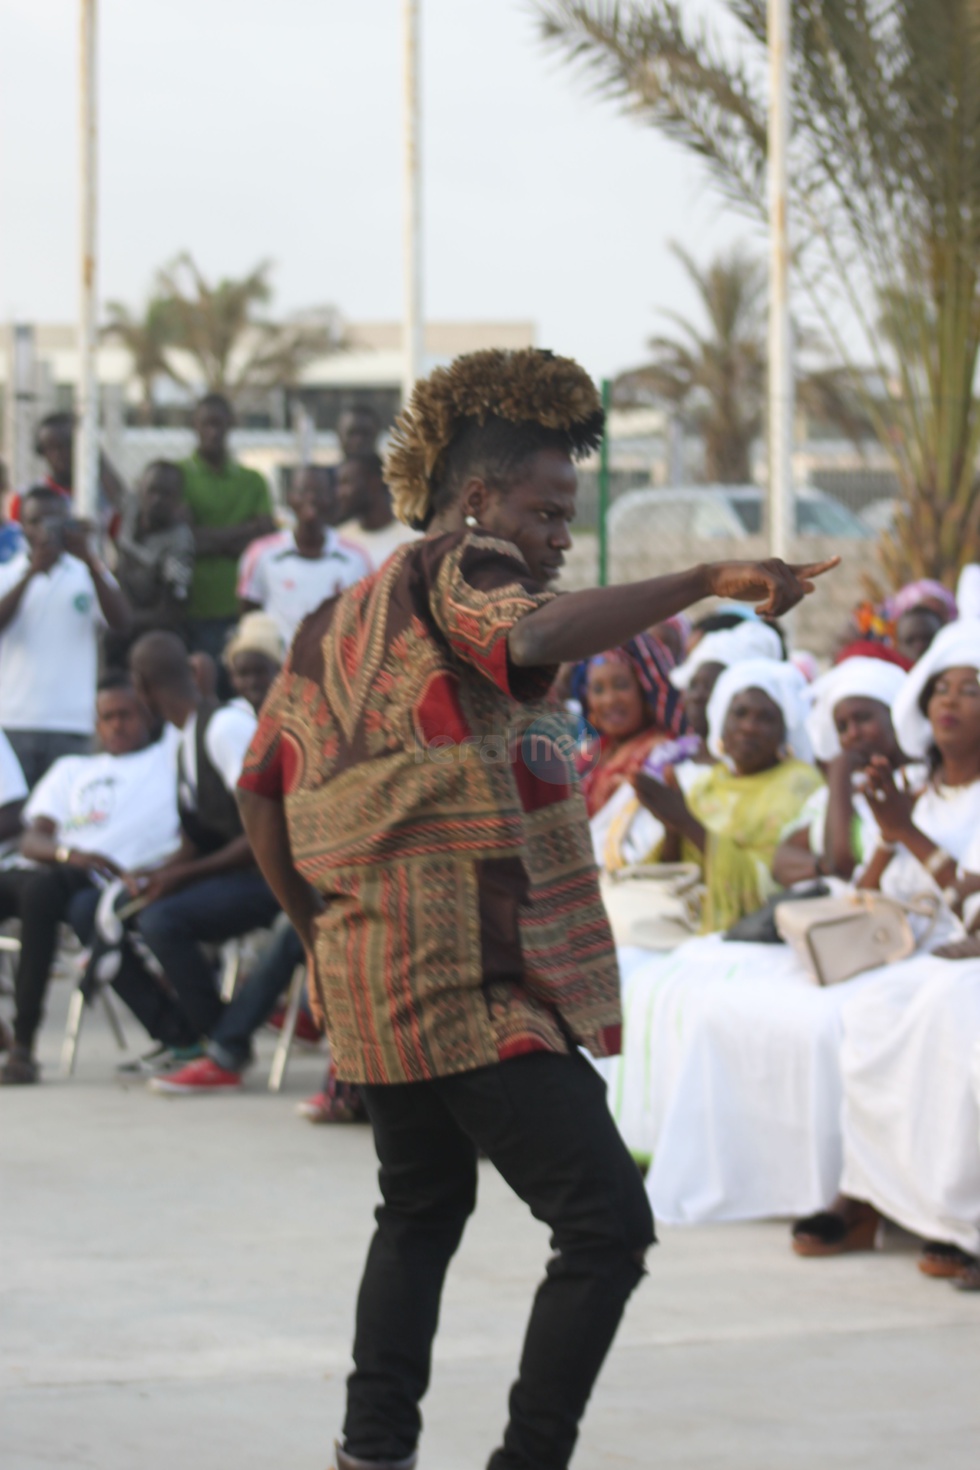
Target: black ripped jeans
{"type": "Point", "coordinates": [542, 1120]}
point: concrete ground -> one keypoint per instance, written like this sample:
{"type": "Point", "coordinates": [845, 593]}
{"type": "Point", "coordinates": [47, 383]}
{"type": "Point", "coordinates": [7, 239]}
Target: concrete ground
{"type": "Point", "coordinates": [177, 1281]}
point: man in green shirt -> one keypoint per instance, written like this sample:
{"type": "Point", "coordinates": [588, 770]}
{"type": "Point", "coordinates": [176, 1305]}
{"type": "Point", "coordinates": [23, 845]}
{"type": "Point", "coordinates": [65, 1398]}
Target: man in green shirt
{"type": "Point", "coordinates": [229, 506]}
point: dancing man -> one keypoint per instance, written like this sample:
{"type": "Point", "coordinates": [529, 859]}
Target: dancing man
{"type": "Point", "coordinates": [421, 828]}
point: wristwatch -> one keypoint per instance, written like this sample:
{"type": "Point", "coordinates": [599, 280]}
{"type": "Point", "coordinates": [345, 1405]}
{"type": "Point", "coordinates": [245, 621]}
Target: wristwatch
{"type": "Point", "coordinates": [62, 853]}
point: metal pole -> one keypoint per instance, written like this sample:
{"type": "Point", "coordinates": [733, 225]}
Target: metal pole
{"type": "Point", "coordinates": [86, 466]}
{"type": "Point", "coordinates": [22, 405]}
{"type": "Point", "coordinates": [413, 339]}
{"type": "Point", "coordinates": [603, 511]}
{"type": "Point", "coordinates": [780, 328]}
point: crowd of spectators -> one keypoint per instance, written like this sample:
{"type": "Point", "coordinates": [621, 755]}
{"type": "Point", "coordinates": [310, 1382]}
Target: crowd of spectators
{"type": "Point", "coordinates": [134, 657]}
{"type": "Point", "coordinates": [709, 756]}
{"type": "Point", "coordinates": [747, 1088]}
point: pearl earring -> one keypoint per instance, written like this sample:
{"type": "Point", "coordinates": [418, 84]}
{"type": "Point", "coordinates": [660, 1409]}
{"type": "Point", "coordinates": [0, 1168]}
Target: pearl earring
{"type": "Point", "coordinates": [472, 522]}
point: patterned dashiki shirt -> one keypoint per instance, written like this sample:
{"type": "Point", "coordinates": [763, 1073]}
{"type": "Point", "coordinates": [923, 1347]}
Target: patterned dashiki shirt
{"type": "Point", "coordinates": [426, 802]}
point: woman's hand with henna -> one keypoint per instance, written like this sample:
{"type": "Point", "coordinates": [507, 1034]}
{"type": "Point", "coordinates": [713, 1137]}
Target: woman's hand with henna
{"type": "Point", "coordinates": [891, 804]}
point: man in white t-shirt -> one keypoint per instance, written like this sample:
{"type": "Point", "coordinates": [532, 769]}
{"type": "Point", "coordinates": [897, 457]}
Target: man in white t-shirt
{"type": "Point", "coordinates": [54, 598]}
{"type": "Point", "coordinates": [211, 890]}
{"type": "Point", "coordinates": [289, 574]}
{"type": "Point", "coordinates": [90, 819]}
{"type": "Point", "coordinates": [364, 501]}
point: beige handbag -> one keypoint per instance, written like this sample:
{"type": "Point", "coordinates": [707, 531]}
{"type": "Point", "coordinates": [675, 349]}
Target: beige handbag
{"type": "Point", "coordinates": [653, 905]}
{"type": "Point", "coordinates": [837, 938]}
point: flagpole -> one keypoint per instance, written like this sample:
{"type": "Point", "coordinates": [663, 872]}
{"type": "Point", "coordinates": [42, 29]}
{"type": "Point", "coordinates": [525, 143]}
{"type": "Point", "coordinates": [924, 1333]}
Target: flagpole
{"type": "Point", "coordinates": [413, 344]}
{"type": "Point", "coordinates": [781, 387]}
{"type": "Point", "coordinates": [86, 460]}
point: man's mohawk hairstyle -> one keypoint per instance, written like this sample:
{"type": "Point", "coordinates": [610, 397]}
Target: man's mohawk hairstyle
{"type": "Point", "coordinates": [529, 386]}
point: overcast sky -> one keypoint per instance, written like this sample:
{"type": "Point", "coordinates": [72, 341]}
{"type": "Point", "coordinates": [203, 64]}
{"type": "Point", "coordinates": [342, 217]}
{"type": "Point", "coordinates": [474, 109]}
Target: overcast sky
{"type": "Point", "coordinates": [241, 129]}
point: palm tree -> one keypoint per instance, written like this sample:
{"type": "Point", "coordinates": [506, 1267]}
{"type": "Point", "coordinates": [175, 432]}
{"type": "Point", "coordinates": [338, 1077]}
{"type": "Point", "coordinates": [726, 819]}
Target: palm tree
{"type": "Point", "coordinates": [234, 349]}
{"type": "Point", "coordinates": [884, 192]}
{"type": "Point", "coordinates": [716, 378]}
{"type": "Point", "coordinates": [146, 338]}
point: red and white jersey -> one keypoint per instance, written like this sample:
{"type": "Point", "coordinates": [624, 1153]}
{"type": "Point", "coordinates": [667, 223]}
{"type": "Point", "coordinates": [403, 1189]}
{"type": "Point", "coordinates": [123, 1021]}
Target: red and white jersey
{"type": "Point", "coordinates": [275, 575]}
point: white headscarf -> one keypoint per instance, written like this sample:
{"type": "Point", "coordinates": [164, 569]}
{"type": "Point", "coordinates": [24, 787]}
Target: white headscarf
{"type": "Point", "coordinates": [855, 678]}
{"type": "Point", "coordinates": [751, 639]}
{"type": "Point", "coordinates": [968, 591]}
{"type": "Point", "coordinates": [957, 646]}
{"type": "Point", "coordinates": [784, 685]}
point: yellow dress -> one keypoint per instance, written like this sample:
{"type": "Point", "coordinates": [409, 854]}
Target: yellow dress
{"type": "Point", "coordinates": [744, 818]}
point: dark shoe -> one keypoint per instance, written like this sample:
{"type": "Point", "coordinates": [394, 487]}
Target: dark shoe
{"type": "Point", "coordinates": [161, 1059]}
{"type": "Point", "coordinates": [350, 1462]}
{"type": "Point", "coordinates": [969, 1278]}
{"type": "Point", "coordinates": [20, 1069]}
{"type": "Point", "coordinates": [829, 1233]}
{"type": "Point", "coordinates": [944, 1261]}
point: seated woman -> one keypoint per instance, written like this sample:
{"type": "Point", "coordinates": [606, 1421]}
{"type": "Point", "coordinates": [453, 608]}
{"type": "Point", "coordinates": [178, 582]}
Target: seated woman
{"type": "Point", "coordinates": [747, 1016]}
{"type": "Point", "coordinates": [911, 1125]}
{"type": "Point", "coordinates": [849, 723]}
{"type": "Point", "coordinates": [736, 815]}
{"type": "Point", "coordinates": [698, 675]}
{"type": "Point", "coordinates": [629, 701]}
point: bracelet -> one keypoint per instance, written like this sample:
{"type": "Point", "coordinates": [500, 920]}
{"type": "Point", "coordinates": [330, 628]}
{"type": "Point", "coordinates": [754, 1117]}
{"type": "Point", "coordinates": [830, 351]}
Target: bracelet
{"type": "Point", "coordinates": [62, 854]}
{"type": "Point", "coordinates": [887, 846]}
{"type": "Point", "coordinates": [951, 897]}
{"type": "Point", "coordinates": [936, 861]}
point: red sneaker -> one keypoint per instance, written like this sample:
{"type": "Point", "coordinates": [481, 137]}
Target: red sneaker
{"type": "Point", "coordinates": [316, 1108]}
{"type": "Point", "coordinates": [204, 1075]}
{"type": "Point", "coordinates": [339, 1102]}
{"type": "Point", "coordinates": [306, 1028]}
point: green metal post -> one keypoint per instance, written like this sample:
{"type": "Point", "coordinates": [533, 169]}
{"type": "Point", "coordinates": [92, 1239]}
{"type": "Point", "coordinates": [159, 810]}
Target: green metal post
{"type": "Point", "coordinates": [604, 488]}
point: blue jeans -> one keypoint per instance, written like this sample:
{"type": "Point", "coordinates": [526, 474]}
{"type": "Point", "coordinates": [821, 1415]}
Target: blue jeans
{"type": "Point", "coordinates": [231, 1039]}
{"type": "Point", "coordinates": [208, 912]}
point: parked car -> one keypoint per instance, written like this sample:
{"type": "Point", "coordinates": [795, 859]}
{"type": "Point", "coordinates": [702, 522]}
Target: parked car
{"type": "Point", "coordinates": [880, 515]}
{"type": "Point", "coordinates": [704, 512]}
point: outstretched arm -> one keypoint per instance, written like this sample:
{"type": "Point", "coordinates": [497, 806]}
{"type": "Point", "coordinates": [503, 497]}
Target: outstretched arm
{"type": "Point", "coordinates": [581, 624]}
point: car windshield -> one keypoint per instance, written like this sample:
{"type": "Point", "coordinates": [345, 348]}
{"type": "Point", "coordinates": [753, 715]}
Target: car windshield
{"type": "Point", "coordinates": [814, 517]}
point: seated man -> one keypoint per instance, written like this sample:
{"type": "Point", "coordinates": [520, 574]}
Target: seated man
{"type": "Point", "coordinates": [155, 555]}
{"type": "Point", "coordinates": [291, 573]}
{"type": "Point", "coordinates": [253, 657]}
{"type": "Point", "coordinates": [91, 818]}
{"type": "Point", "coordinates": [210, 890]}
{"type": "Point", "coordinates": [229, 1049]}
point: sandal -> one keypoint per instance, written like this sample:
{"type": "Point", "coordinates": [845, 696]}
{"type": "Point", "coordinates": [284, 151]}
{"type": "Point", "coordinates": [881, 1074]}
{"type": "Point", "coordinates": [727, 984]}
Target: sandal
{"type": "Point", "coordinates": [944, 1261]}
{"type": "Point", "coordinates": [828, 1233]}
{"type": "Point", "coordinates": [969, 1278]}
{"type": "Point", "coordinates": [20, 1069]}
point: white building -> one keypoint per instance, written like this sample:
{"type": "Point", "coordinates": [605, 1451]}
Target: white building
{"type": "Point", "coordinates": [39, 373]}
